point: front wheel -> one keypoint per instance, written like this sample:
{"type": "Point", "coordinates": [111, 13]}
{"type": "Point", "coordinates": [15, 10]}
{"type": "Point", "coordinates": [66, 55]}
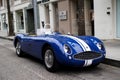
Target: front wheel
{"type": "Point", "coordinates": [50, 61]}
{"type": "Point", "coordinates": [19, 52]}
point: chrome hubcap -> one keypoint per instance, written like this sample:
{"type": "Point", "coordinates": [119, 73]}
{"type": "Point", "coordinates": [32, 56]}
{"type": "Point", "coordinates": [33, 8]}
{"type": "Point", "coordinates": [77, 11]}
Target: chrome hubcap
{"type": "Point", "coordinates": [49, 58]}
{"type": "Point", "coordinates": [18, 48]}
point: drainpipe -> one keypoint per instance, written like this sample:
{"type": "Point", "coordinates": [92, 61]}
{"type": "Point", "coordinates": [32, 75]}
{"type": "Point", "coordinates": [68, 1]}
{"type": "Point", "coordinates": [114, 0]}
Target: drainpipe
{"type": "Point", "coordinates": [35, 15]}
{"type": "Point", "coordinates": [10, 32]}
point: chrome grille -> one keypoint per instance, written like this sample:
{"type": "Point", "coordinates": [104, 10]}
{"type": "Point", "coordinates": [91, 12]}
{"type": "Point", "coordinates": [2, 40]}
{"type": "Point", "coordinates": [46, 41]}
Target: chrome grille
{"type": "Point", "coordinates": [87, 55]}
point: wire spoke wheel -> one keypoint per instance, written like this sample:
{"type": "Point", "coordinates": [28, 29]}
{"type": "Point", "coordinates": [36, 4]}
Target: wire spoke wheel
{"type": "Point", "coordinates": [49, 58]}
{"type": "Point", "coordinates": [19, 52]}
{"type": "Point", "coordinates": [18, 48]}
{"type": "Point", "coordinates": [50, 61]}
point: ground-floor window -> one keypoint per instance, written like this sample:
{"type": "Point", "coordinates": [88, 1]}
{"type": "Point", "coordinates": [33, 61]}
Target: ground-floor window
{"type": "Point", "coordinates": [19, 20]}
{"type": "Point", "coordinates": [4, 24]}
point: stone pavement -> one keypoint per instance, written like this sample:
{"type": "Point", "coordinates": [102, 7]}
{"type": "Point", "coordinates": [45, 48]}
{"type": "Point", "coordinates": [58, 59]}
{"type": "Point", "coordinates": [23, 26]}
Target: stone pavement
{"type": "Point", "coordinates": [112, 51]}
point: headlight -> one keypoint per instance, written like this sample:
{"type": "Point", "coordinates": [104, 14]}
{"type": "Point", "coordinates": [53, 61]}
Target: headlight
{"type": "Point", "coordinates": [67, 49]}
{"type": "Point", "coordinates": [98, 43]}
{"type": "Point", "coordinates": [99, 46]}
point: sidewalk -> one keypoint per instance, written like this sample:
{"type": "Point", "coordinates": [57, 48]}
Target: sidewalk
{"type": "Point", "coordinates": [112, 51]}
{"type": "Point", "coordinates": [8, 37]}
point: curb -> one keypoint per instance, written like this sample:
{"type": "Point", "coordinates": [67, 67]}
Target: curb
{"type": "Point", "coordinates": [112, 62]}
{"type": "Point", "coordinates": [6, 38]}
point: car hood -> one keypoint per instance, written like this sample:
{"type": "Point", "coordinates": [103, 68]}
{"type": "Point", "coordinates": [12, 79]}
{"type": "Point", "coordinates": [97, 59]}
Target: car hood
{"type": "Point", "coordinates": [77, 44]}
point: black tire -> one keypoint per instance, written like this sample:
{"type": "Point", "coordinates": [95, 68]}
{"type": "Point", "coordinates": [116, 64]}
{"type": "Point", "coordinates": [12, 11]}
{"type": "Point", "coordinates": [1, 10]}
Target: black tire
{"type": "Point", "coordinates": [19, 52]}
{"type": "Point", "coordinates": [50, 61]}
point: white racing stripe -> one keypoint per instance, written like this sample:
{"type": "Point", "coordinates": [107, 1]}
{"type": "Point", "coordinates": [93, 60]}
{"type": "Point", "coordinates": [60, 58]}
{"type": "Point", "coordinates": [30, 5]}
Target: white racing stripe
{"type": "Point", "coordinates": [83, 44]}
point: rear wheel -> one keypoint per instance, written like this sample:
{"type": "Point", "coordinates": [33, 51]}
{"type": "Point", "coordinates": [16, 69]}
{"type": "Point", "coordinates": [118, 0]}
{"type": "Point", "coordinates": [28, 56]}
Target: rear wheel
{"type": "Point", "coordinates": [50, 61]}
{"type": "Point", "coordinates": [19, 52]}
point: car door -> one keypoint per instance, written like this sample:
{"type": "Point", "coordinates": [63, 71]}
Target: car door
{"type": "Point", "coordinates": [33, 45]}
{"type": "Point", "coordinates": [26, 44]}
{"type": "Point", "coordinates": [36, 46]}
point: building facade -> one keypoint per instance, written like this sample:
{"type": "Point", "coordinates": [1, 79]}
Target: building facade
{"type": "Point", "coordinates": [107, 25]}
{"type": "Point", "coordinates": [107, 19]}
{"type": "Point", "coordinates": [3, 18]}
{"type": "Point", "coordinates": [98, 18]}
{"type": "Point", "coordinates": [22, 16]}
{"type": "Point", "coordinates": [66, 16]}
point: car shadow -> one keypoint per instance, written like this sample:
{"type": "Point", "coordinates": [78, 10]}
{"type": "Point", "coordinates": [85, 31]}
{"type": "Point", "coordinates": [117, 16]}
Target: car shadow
{"type": "Point", "coordinates": [64, 69]}
{"type": "Point", "coordinates": [33, 59]}
{"type": "Point", "coordinates": [79, 69]}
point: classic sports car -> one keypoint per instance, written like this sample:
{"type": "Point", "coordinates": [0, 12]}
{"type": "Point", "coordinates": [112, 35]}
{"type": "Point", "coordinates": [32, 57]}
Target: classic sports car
{"type": "Point", "coordinates": [55, 49]}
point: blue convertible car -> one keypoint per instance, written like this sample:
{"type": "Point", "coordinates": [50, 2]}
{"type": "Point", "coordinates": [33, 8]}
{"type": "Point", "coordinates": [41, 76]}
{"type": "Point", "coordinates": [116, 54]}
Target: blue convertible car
{"type": "Point", "coordinates": [55, 49]}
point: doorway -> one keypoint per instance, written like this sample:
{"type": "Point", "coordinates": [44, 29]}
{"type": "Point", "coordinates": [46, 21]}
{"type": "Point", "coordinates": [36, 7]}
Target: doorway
{"type": "Point", "coordinates": [92, 17]}
{"type": "Point", "coordinates": [80, 17]}
{"type": "Point", "coordinates": [89, 17]}
{"type": "Point", "coordinates": [20, 21]}
{"type": "Point", "coordinates": [30, 21]}
{"type": "Point", "coordinates": [85, 17]}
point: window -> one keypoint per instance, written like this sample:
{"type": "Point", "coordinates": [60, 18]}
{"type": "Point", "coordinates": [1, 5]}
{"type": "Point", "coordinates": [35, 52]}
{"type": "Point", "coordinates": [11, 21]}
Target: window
{"type": "Point", "coordinates": [4, 23]}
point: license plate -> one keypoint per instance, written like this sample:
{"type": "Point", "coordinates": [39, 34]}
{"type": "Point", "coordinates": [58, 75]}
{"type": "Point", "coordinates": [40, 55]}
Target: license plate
{"type": "Point", "coordinates": [88, 63]}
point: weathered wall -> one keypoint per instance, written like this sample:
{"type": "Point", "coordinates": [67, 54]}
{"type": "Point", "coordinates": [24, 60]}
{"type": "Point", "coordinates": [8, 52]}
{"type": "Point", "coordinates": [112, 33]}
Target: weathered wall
{"type": "Point", "coordinates": [103, 14]}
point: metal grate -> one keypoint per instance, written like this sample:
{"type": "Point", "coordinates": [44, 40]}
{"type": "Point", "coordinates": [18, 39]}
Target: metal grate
{"type": "Point", "coordinates": [87, 55]}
